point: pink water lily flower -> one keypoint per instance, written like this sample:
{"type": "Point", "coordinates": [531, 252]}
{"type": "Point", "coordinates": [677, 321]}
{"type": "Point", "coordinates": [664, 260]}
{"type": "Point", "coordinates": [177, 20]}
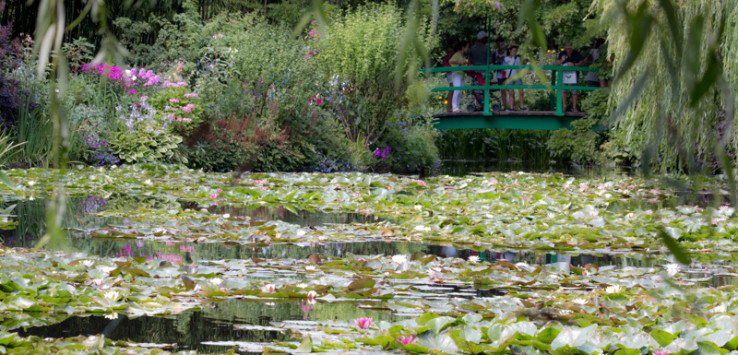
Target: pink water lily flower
{"type": "Point", "coordinates": [421, 182]}
{"type": "Point", "coordinates": [268, 288]}
{"type": "Point", "coordinates": [364, 323]}
{"type": "Point", "coordinates": [660, 352]}
{"type": "Point", "coordinates": [312, 295]}
{"type": "Point", "coordinates": [407, 339]}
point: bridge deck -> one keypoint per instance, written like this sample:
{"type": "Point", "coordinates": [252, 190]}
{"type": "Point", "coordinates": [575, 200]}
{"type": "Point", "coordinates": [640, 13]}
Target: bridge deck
{"type": "Point", "coordinates": [545, 120]}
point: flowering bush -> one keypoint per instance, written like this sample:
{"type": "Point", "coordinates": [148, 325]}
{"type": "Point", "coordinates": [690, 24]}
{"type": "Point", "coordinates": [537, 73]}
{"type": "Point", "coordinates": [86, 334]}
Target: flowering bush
{"type": "Point", "coordinates": [180, 108]}
{"type": "Point", "coordinates": [146, 137]}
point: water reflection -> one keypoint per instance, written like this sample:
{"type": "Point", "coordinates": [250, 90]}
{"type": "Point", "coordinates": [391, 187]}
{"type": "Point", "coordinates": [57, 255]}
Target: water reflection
{"type": "Point", "coordinates": [229, 320]}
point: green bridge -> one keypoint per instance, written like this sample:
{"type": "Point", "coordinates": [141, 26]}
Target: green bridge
{"type": "Point", "coordinates": [553, 119]}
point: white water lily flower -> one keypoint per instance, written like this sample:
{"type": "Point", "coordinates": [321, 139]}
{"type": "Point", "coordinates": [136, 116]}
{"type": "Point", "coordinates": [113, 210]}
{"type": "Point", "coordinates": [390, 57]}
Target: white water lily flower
{"type": "Point", "coordinates": [399, 259]}
{"type": "Point", "coordinates": [301, 232]}
{"type": "Point", "coordinates": [719, 309]}
{"type": "Point", "coordinates": [312, 295]}
{"type": "Point", "coordinates": [418, 207]}
{"type": "Point", "coordinates": [310, 268]}
{"type": "Point", "coordinates": [216, 281]}
{"type": "Point", "coordinates": [474, 258]}
{"type": "Point", "coordinates": [671, 269]}
{"type": "Point", "coordinates": [227, 215]}
{"type": "Point", "coordinates": [268, 288]}
{"type": "Point", "coordinates": [302, 285]}
{"type": "Point", "coordinates": [148, 182]}
{"type": "Point", "coordinates": [31, 183]}
{"type": "Point", "coordinates": [422, 228]}
{"type": "Point", "coordinates": [112, 295]}
{"type": "Point", "coordinates": [580, 301]}
{"type": "Point", "coordinates": [614, 289]}
{"type": "Point", "coordinates": [112, 316]}
{"type": "Point", "coordinates": [87, 263]}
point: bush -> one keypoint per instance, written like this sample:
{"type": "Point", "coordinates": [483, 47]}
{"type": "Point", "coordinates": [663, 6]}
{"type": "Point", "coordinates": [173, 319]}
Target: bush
{"type": "Point", "coordinates": [581, 143]}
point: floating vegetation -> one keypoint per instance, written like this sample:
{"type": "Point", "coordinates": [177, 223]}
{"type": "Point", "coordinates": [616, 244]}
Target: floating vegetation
{"type": "Point", "coordinates": [512, 262]}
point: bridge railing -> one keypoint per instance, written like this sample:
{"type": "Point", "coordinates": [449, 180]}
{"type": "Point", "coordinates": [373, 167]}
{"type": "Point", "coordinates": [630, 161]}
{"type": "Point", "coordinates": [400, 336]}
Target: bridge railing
{"type": "Point", "coordinates": [556, 77]}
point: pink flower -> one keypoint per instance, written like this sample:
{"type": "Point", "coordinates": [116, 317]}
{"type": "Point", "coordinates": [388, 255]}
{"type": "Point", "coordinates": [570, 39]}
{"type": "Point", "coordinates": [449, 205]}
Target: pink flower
{"type": "Point", "coordinates": [515, 183]}
{"type": "Point", "coordinates": [171, 116]}
{"type": "Point", "coordinates": [320, 102]}
{"type": "Point", "coordinates": [306, 307]}
{"type": "Point", "coordinates": [339, 200]}
{"type": "Point", "coordinates": [219, 190]}
{"type": "Point", "coordinates": [364, 323]}
{"type": "Point", "coordinates": [131, 92]}
{"type": "Point", "coordinates": [144, 98]}
{"type": "Point", "coordinates": [407, 340]}
{"type": "Point", "coordinates": [660, 352]}
{"type": "Point", "coordinates": [356, 194]}
{"type": "Point", "coordinates": [526, 199]}
{"type": "Point", "coordinates": [583, 187]}
{"type": "Point", "coordinates": [421, 182]}
{"type": "Point", "coordinates": [214, 196]}
{"type": "Point", "coordinates": [173, 100]}
{"type": "Point", "coordinates": [312, 295]}
{"type": "Point", "coordinates": [268, 288]}
{"type": "Point", "coordinates": [97, 282]}
{"type": "Point", "coordinates": [263, 188]}
{"type": "Point", "coordinates": [186, 248]}
{"type": "Point", "coordinates": [313, 33]}
{"type": "Point", "coordinates": [260, 182]}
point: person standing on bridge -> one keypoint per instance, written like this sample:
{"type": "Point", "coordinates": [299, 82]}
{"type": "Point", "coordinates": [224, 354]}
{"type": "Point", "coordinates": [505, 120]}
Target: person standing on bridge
{"type": "Point", "coordinates": [513, 58]}
{"type": "Point", "coordinates": [499, 59]}
{"type": "Point", "coordinates": [452, 48]}
{"type": "Point", "coordinates": [479, 53]}
{"type": "Point", "coordinates": [570, 57]}
{"type": "Point", "coordinates": [457, 77]}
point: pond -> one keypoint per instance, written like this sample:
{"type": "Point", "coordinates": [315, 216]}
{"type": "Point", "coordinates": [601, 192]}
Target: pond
{"type": "Point", "coordinates": [164, 257]}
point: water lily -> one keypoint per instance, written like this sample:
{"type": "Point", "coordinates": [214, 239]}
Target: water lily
{"type": "Point", "coordinates": [399, 259]}
{"type": "Point", "coordinates": [474, 258]}
{"type": "Point", "coordinates": [312, 295]}
{"type": "Point", "coordinates": [112, 316]}
{"type": "Point", "coordinates": [660, 352]}
{"type": "Point", "coordinates": [97, 282]}
{"type": "Point", "coordinates": [583, 187]}
{"type": "Point", "coordinates": [407, 340]}
{"type": "Point", "coordinates": [421, 182]}
{"type": "Point", "coordinates": [614, 289]}
{"type": "Point", "coordinates": [268, 288]}
{"type": "Point", "coordinates": [671, 269]}
{"type": "Point", "coordinates": [112, 295]}
{"type": "Point", "coordinates": [364, 323]}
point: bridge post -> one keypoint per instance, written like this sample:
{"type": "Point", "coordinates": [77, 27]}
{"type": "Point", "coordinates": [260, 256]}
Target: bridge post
{"type": "Point", "coordinates": [486, 90]}
{"type": "Point", "coordinates": [558, 85]}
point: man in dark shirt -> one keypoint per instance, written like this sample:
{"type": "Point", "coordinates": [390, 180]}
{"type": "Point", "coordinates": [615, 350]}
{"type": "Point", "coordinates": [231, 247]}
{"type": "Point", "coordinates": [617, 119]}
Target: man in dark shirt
{"type": "Point", "coordinates": [570, 57]}
{"type": "Point", "coordinates": [479, 52]}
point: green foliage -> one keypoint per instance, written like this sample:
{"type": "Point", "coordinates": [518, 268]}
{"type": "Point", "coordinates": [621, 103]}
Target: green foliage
{"type": "Point", "coordinates": [145, 146]}
{"type": "Point", "coordinates": [8, 148]}
{"type": "Point", "coordinates": [578, 144]}
{"type": "Point", "coordinates": [674, 88]}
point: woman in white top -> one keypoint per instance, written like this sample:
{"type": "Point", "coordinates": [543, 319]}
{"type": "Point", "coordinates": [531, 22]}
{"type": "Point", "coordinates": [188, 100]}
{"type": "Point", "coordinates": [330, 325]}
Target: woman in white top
{"type": "Point", "coordinates": [457, 77]}
{"type": "Point", "coordinates": [513, 58]}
